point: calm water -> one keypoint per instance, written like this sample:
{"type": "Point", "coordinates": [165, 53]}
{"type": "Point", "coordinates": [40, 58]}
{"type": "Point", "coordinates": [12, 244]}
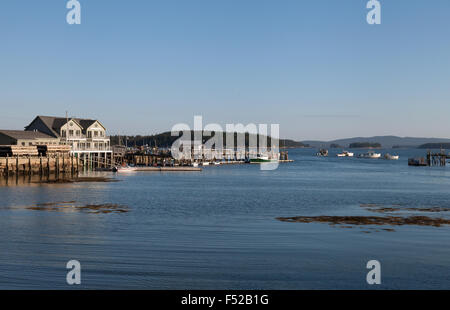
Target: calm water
{"type": "Point", "coordinates": [216, 229]}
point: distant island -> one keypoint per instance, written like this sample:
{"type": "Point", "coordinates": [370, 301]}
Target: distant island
{"type": "Point", "coordinates": [385, 141]}
{"type": "Point", "coordinates": [165, 140]}
{"type": "Point", "coordinates": [435, 146]}
{"type": "Point", "coordinates": [364, 145]}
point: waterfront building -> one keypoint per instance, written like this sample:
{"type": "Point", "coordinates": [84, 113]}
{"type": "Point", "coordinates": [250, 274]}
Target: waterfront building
{"type": "Point", "coordinates": [26, 138]}
{"type": "Point", "coordinates": [87, 137]}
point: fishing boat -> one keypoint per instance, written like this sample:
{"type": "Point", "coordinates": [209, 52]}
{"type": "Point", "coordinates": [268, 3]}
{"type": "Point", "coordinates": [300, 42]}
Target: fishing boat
{"type": "Point", "coordinates": [322, 153]}
{"type": "Point", "coordinates": [391, 157]}
{"type": "Point", "coordinates": [345, 154]}
{"type": "Point", "coordinates": [371, 155]}
{"type": "Point", "coordinates": [262, 159]}
{"type": "Point", "coordinates": [420, 162]}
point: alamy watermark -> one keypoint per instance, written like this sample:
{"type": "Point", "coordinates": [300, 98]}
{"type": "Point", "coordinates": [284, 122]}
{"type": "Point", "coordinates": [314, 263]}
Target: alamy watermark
{"type": "Point", "coordinates": [74, 14]}
{"type": "Point", "coordinates": [374, 275]}
{"type": "Point", "coordinates": [74, 275]}
{"type": "Point", "coordinates": [241, 142]}
{"type": "Point", "coordinates": [374, 15]}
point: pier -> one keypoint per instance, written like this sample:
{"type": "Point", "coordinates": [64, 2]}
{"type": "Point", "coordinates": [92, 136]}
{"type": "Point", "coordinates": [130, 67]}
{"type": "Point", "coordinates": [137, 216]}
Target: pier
{"type": "Point", "coordinates": [34, 160]}
{"type": "Point", "coordinates": [163, 158]}
{"type": "Point", "coordinates": [432, 160]}
{"type": "Point", "coordinates": [437, 159]}
{"type": "Point", "coordinates": [45, 160]}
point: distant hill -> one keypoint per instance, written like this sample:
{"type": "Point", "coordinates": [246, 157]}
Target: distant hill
{"type": "Point", "coordinates": [165, 140]}
{"type": "Point", "coordinates": [385, 141]}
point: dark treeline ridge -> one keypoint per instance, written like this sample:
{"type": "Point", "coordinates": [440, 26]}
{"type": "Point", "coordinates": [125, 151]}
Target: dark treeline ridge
{"type": "Point", "coordinates": [435, 146]}
{"type": "Point", "coordinates": [360, 145]}
{"type": "Point", "coordinates": [165, 140]}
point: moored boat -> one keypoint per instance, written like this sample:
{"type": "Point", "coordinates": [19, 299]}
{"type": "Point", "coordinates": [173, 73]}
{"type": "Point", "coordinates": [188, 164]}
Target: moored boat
{"type": "Point", "coordinates": [371, 155]}
{"type": "Point", "coordinates": [322, 153]}
{"type": "Point", "coordinates": [391, 157]}
{"type": "Point", "coordinates": [124, 168]}
{"type": "Point", "coordinates": [262, 159]}
{"type": "Point", "coordinates": [345, 154]}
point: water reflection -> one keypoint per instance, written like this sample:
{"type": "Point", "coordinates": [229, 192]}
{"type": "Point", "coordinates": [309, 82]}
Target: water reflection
{"type": "Point", "coordinates": [20, 180]}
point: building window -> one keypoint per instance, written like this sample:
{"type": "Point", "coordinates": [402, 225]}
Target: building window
{"type": "Point", "coordinates": [78, 133]}
{"type": "Point", "coordinates": [89, 134]}
{"type": "Point", "coordinates": [70, 133]}
{"type": "Point", "coordinates": [23, 143]}
{"type": "Point", "coordinates": [95, 133]}
{"type": "Point", "coordinates": [63, 133]}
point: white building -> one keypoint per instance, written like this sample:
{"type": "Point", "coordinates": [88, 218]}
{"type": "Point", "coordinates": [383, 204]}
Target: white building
{"type": "Point", "coordinates": [87, 137]}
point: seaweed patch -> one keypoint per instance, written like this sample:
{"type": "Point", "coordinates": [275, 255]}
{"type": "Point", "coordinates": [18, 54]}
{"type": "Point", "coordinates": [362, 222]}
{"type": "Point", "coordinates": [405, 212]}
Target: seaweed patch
{"type": "Point", "coordinates": [71, 206]}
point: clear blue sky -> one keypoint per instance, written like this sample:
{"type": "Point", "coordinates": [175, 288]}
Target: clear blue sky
{"type": "Point", "coordinates": [315, 67]}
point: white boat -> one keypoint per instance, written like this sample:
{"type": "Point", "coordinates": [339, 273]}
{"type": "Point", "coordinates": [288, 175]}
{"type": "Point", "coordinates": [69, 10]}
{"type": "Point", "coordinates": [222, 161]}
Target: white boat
{"type": "Point", "coordinates": [205, 163]}
{"type": "Point", "coordinates": [125, 169]}
{"type": "Point", "coordinates": [345, 154]}
{"type": "Point", "coordinates": [371, 155]}
{"type": "Point", "coordinates": [391, 157]}
{"type": "Point", "coordinates": [217, 163]}
{"type": "Point", "coordinates": [195, 165]}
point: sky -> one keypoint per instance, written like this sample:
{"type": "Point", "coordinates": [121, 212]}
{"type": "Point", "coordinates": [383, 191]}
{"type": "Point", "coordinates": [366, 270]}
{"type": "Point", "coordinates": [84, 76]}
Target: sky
{"type": "Point", "coordinates": [316, 67]}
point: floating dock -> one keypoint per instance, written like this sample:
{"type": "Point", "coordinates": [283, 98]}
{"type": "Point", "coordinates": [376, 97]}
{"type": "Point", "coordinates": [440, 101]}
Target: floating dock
{"type": "Point", "coordinates": [165, 169]}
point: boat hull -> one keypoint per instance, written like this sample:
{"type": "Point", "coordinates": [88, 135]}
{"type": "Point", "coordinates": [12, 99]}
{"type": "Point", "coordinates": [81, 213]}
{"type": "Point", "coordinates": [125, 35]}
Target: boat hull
{"type": "Point", "coordinates": [260, 160]}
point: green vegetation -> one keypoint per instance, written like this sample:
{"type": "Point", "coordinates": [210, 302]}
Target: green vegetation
{"type": "Point", "coordinates": [335, 146]}
{"type": "Point", "coordinates": [364, 145]}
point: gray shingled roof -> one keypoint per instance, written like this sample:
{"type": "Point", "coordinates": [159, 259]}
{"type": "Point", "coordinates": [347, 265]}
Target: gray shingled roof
{"type": "Point", "coordinates": [55, 123]}
{"type": "Point", "coordinates": [20, 134]}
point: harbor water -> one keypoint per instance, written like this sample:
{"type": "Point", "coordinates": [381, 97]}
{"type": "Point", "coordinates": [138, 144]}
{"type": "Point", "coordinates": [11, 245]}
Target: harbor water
{"type": "Point", "coordinates": [218, 228]}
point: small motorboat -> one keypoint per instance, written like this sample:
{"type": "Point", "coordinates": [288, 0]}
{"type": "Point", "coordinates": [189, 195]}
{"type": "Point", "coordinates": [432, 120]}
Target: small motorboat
{"type": "Point", "coordinates": [205, 163]}
{"type": "Point", "coordinates": [322, 153]}
{"type": "Point", "coordinates": [262, 159]}
{"type": "Point", "coordinates": [124, 168]}
{"type": "Point", "coordinates": [371, 155]}
{"type": "Point", "coordinates": [195, 165]}
{"type": "Point", "coordinates": [420, 162]}
{"type": "Point", "coordinates": [391, 157]}
{"type": "Point", "coordinates": [345, 154]}
{"type": "Point", "coordinates": [217, 163]}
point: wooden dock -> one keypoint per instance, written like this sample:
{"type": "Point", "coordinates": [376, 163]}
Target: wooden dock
{"type": "Point", "coordinates": [432, 159]}
{"type": "Point", "coordinates": [31, 165]}
{"type": "Point", "coordinates": [437, 159]}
